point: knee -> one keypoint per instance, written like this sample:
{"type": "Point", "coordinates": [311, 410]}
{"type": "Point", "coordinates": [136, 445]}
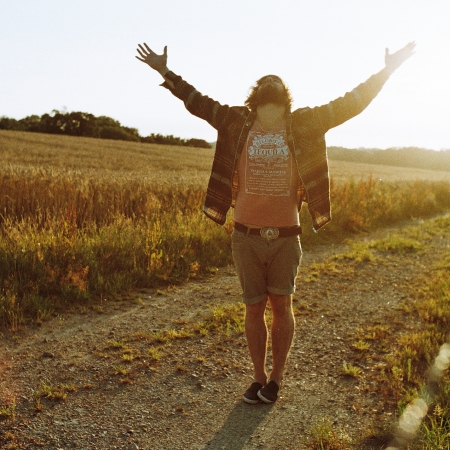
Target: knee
{"type": "Point", "coordinates": [256, 310]}
{"type": "Point", "coordinates": [280, 304]}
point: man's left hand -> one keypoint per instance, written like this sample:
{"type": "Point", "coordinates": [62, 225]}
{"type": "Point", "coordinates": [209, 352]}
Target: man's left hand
{"type": "Point", "coordinates": [395, 60]}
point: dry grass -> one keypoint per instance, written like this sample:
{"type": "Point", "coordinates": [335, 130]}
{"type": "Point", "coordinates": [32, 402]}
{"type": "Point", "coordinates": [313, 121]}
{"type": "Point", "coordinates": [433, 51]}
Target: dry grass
{"type": "Point", "coordinates": [81, 218]}
{"type": "Point", "coordinates": [156, 162]}
{"type": "Point", "coordinates": [69, 155]}
{"type": "Point", "coordinates": [342, 170]}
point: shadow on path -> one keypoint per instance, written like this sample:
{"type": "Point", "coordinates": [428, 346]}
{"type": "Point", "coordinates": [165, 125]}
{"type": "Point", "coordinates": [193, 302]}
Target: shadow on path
{"type": "Point", "coordinates": [239, 426]}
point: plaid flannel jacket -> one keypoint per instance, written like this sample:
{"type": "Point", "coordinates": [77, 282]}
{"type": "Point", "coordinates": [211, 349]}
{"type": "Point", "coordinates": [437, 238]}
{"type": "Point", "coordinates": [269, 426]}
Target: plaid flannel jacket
{"type": "Point", "coordinates": [306, 128]}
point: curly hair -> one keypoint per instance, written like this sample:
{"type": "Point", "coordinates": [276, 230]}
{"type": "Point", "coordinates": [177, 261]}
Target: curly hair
{"type": "Point", "coordinates": [252, 100]}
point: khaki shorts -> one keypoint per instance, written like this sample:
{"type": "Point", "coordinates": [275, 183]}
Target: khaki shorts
{"type": "Point", "coordinates": [265, 266]}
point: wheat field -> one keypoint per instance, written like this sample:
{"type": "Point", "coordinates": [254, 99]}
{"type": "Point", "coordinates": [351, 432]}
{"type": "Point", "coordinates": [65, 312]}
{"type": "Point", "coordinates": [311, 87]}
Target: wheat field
{"type": "Point", "coordinates": [81, 218]}
{"type": "Point", "coordinates": [165, 164]}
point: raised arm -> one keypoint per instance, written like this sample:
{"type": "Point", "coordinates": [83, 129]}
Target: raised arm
{"type": "Point", "coordinates": [156, 62]}
{"type": "Point", "coordinates": [322, 118]}
{"type": "Point", "coordinates": [196, 103]}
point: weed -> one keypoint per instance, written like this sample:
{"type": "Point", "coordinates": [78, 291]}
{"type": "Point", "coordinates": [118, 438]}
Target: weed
{"type": "Point", "coordinates": [38, 406]}
{"type": "Point", "coordinates": [324, 437]}
{"type": "Point", "coordinates": [70, 387]}
{"type": "Point", "coordinates": [120, 370]}
{"type": "Point", "coordinates": [8, 411]}
{"type": "Point", "coordinates": [154, 353]}
{"type": "Point", "coordinates": [361, 346]}
{"type": "Point", "coordinates": [377, 332]}
{"type": "Point", "coordinates": [116, 344]}
{"type": "Point", "coordinates": [128, 357]}
{"type": "Point", "coordinates": [53, 392]}
{"type": "Point", "coordinates": [160, 337]}
{"type": "Point", "coordinates": [226, 319]}
{"type": "Point", "coordinates": [184, 333]}
{"type": "Point", "coordinates": [435, 433]}
{"type": "Point", "coordinates": [169, 335]}
{"type": "Point", "coordinates": [349, 370]}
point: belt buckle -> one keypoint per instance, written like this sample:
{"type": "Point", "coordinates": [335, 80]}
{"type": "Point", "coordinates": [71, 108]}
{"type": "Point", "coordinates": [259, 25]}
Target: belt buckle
{"type": "Point", "coordinates": [269, 233]}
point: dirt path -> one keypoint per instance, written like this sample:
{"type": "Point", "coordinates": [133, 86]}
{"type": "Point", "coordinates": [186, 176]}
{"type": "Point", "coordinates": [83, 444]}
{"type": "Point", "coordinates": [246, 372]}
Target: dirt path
{"type": "Point", "coordinates": [190, 398]}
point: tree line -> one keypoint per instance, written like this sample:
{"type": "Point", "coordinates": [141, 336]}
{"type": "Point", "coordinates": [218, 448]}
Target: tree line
{"type": "Point", "coordinates": [399, 157]}
{"type": "Point", "coordinates": [84, 124]}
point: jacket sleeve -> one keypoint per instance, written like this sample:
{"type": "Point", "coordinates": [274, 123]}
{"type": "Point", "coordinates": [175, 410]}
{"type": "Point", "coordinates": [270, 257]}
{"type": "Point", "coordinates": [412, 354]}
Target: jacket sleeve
{"type": "Point", "coordinates": [320, 119]}
{"type": "Point", "coordinates": [197, 104]}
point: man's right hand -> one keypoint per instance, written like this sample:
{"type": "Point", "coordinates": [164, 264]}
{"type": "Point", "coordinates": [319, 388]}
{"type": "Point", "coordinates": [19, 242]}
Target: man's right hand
{"type": "Point", "coordinates": [156, 62]}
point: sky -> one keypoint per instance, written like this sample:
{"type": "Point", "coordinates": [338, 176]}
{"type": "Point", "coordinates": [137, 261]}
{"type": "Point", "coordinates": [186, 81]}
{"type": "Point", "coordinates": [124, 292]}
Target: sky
{"type": "Point", "coordinates": [80, 56]}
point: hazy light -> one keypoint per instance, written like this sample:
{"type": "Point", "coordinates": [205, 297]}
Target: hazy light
{"type": "Point", "coordinates": [411, 419]}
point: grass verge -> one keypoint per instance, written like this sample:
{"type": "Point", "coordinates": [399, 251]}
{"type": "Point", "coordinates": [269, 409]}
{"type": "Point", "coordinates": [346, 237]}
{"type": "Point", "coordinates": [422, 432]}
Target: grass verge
{"type": "Point", "coordinates": [405, 359]}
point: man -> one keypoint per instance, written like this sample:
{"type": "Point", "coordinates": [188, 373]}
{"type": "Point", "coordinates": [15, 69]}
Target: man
{"type": "Point", "coordinates": [268, 161]}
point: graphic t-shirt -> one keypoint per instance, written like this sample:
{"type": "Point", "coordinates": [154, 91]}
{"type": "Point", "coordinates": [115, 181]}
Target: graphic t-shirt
{"type": "Point", "coordinates": [268, 180]}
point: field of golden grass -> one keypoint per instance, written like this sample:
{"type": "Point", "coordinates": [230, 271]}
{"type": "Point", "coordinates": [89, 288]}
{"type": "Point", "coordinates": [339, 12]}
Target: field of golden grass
{"type": "Point", "coordinates": [166, 164]}
{"type": "Point", "coordinates": [101, 158]}
{"type": "Point", "coordinates": [83, 217]}
{"type": "Point", "coordinates": [343, 170]}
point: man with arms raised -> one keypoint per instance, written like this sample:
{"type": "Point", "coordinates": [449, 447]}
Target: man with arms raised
{"type": "Point", "coordinates": [268, 161]}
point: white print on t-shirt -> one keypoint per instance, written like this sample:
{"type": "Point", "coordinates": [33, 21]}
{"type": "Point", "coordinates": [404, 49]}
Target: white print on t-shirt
{"type": "Point", "coordinates": [268, 165]}
{"type": "Point", "coordinates": [268, 148]}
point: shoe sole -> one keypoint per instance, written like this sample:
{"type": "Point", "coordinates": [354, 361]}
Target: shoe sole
{"type": "Point", "coordinates": [250, 401]}
{"type": "Point", "coordinates": [252, 391]}
{"type": "Point", "coordinates": [264, 399]}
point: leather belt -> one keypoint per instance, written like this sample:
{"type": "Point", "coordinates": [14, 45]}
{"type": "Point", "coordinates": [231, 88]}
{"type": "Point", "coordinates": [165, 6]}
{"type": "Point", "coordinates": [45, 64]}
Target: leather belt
{"type": "Point", "coordinates": [269, 233]}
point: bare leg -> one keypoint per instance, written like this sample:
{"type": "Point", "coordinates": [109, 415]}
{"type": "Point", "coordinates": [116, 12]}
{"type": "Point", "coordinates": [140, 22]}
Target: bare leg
{"type": "Point", "coordinates": [256, 333]}
{"type": "Point", "coordinates": [283, 327]}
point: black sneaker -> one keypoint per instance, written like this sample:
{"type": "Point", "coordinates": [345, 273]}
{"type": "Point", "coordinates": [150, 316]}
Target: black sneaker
{"type": "Point", "coordinates": [269, 393]}
{"type": "Point", "coordinates": [251, 394]}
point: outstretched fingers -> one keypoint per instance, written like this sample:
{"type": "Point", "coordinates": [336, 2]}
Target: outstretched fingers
{"type": "Point", "coordinates": [148, 56]}
{"type": "Point", "coordinates": [144, 52]}
{"type": "Point", "coordinates": [408, 49]}
{"type": "Point", "coordinates": [396, 59]}
{"type": "Point", "coordinates": [142, 56]}
{"type": "Point", "coordinates": [149, 50]}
